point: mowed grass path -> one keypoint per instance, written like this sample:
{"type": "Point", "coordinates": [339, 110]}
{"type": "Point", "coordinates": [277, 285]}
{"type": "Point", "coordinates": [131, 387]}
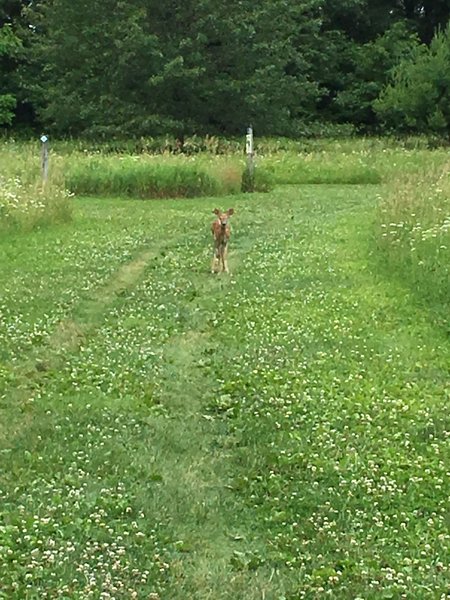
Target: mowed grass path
{"type": "Point", "coordinates": [279, 433]}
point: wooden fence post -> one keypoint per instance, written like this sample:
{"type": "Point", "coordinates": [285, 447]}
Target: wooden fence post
{"type": "Point", "coordinates": [249, 151]}
{"type": "Point", "coordinates": [44, 159]}
{"type": "Point", "coordinates": [248, 177]}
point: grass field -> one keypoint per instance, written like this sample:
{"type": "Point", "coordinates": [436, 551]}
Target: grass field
{"type": "Point", "coordinates": [279, 433]}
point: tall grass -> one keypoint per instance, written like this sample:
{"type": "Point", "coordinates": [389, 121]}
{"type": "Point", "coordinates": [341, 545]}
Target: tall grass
{"type": "Point", "coordinates": [323, 167]}
{"type": "Point", "coordinates": [413, 230]}
{"type": "Point", "coordinates": [354, 161]}
{"type": "Point", "coordinates": [146, 178]}
{"type": "Point", "coordinates": [205, 173]}
{"type": "Point", "coordinates": [24, 202]}
{"type": "Point", "coordinates": [167, 176]}
{"type": "Point", "coordinates": [103, 174]}
{"type": "Point", "coordinates": [205, 167]}
{"type": "Point", "coordinates": [125, 177]}
{"type": "Point", "coordinates": [24, 207]}
{"type": "Point", "coordinates": [279, 161]}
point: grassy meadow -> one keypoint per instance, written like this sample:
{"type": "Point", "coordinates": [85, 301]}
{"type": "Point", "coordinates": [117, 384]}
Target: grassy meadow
{"type": "Point", "coordinates": [278, 433]}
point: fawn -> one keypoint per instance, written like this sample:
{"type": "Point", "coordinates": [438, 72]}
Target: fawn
{"type": "Point", "coordinates": [221, 231]}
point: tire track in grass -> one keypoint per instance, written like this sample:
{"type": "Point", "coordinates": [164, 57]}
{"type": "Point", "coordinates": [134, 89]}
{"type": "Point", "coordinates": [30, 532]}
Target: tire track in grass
{"type": "Point", "coordinates": [68, 336]}
{"type": "Point", "coordinates": [193, 452]}
{"type": "Point", "coordinates": [70, 332]}
{"type": "Point", "coordinates": [190, 450]}
{"type": "Point", "coordinates": [219, 553]}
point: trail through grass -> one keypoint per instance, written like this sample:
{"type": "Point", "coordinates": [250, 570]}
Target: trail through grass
{"type": "Point", "coordinates": [281, 433]}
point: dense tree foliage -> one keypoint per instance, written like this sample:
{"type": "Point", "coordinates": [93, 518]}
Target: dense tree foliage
{"type": "Point", "coordinates": [10, 47]}
{"type": "Point", "coordinates": [12, 56]}
{"type": "Point", "coordinates": [419, 97]}
{"type": "Point", "coordinates": [145, 67]}
{"type": "Point", "coordinates": [141, 67]}
{"type": "Point", "coordinates": [368, 66]}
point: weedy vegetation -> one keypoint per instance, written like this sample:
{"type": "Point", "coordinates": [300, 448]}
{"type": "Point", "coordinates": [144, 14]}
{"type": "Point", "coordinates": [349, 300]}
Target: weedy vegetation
{"type": "Point", "coordinates": [25, 203]}
{"type": "Point", "coordinates": [413, 232]}
{"type": "Point", "coordinates": [280, 432]}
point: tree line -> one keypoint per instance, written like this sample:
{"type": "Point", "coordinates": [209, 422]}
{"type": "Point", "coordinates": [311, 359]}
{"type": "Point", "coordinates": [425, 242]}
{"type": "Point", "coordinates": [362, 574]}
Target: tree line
{"type": "Point", "coordinates": [129, 68]}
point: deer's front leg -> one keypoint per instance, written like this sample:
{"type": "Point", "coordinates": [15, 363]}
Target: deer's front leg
{"type": "Point", "coordinates": [215, 259]}
{"type": "Point", "coordinates": [224, 257]}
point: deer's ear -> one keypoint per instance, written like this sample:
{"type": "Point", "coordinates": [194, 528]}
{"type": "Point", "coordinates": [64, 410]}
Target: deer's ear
{"type": "Point", "coordinates": [230, 211]}
{"type": "Point", "coordinates": [216, 211]}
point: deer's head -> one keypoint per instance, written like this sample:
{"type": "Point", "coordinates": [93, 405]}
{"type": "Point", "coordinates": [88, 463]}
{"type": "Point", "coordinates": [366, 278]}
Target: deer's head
{"type": "Point", "coordinates": [223, 217]}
